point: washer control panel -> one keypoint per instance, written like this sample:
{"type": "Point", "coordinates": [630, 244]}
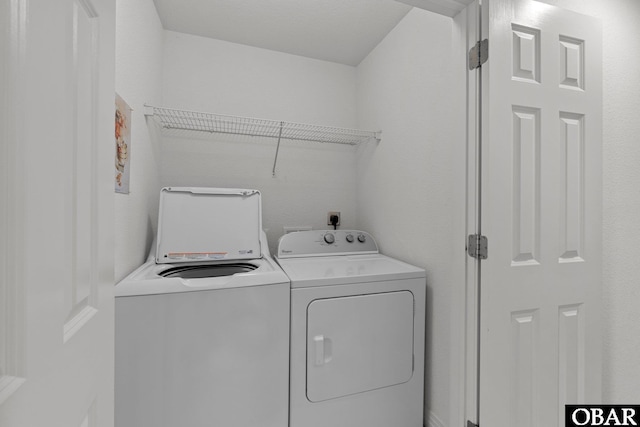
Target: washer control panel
{"type": "Point", "coordinates": [325, 243]}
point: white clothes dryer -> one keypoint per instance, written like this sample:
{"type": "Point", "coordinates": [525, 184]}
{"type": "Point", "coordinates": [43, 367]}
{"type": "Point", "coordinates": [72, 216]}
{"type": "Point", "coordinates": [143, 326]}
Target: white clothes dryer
{"type": "Point", "coordinates": [202, 328]}
{"type": "Point", "coordinates": [357, 332]}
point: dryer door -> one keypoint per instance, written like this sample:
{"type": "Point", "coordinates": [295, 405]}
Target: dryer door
{"type": "Point", "coordinates": [359, 343]}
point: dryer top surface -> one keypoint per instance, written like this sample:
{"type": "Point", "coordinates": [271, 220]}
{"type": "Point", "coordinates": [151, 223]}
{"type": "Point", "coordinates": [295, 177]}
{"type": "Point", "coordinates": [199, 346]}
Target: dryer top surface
{"type": "Point", "coordinates": [346, 269]}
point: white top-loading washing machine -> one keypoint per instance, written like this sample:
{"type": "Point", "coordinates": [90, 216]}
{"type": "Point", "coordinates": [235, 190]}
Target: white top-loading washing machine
{"type": "Point", "coordinates": [357, 332]}
{"type": "Point", "coordinates": [202, 328]}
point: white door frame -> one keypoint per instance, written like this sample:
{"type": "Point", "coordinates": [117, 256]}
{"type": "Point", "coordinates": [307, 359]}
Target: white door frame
{"type": "Point", "coordinates": [464, 314]}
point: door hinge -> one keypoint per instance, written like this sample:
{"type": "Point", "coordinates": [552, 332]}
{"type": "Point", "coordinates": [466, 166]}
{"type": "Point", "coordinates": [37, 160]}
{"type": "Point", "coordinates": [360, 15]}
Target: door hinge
{"type": "Point", "coordinates": [479, 54]}
{"type": "Point", "coordinates": [478, 246]}
{"type": "Point", "coordinates": [470, 424]}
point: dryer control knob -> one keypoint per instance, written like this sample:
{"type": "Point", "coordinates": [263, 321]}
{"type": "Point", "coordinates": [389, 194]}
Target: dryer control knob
{"type": "Point", "coordinates": [349, 238]}
{"type": "Point", "coordinates": [362, 238]}
{"type": "Point", "coordinates": [329, 238]}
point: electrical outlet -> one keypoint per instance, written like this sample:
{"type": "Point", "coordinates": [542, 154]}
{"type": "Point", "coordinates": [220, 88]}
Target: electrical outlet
{"type": "Point", "coordinates": [330, 214]}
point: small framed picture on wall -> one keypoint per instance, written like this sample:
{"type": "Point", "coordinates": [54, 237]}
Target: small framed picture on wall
{"type": "Point", "coordinates": [123, 145]}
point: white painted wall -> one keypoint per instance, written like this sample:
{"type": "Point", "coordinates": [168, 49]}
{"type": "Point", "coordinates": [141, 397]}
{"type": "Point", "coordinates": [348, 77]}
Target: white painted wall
{"type": "Point", "coordinates": [216, 76]}
{"type": "Point", "coordinates": [405, 184]}
{"type": "Point", "coordinates": [621, 164]}
{"type": "Point", "coordinates": [139, 40]}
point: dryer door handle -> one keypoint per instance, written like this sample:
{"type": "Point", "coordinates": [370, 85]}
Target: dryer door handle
{"type": "Point", "coordinates": [323, 350]}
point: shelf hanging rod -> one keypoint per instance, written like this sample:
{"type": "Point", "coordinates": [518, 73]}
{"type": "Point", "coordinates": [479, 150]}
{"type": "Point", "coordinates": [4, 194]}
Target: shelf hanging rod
{"type": "Point", "coordinates": [275, 160]}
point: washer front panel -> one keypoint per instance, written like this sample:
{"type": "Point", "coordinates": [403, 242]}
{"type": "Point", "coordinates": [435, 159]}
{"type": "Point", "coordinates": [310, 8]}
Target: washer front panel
{"type": "Point", "coordinates": [212, 358]}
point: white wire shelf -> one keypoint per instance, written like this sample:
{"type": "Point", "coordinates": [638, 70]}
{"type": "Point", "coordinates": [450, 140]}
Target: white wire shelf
{"type": "Point", "coordinates": [170, 119]}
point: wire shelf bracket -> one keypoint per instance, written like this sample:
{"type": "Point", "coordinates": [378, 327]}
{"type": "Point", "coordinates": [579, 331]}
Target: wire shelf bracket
{"type": "Point", "coordinates": [171, 119]}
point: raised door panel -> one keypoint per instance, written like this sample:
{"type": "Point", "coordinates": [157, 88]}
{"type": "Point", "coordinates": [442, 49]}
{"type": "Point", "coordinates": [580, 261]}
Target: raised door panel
{"type": "Point", "coordinates": [81, 148]}
{"type": "Point", "coordinates": [526, 186]}
{"type": "Point", "coordinates": [572, 209]}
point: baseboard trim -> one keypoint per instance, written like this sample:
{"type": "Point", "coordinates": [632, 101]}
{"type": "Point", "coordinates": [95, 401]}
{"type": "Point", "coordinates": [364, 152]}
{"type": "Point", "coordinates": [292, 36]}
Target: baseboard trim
{"type": "Point", "coordinates": [434, 421]}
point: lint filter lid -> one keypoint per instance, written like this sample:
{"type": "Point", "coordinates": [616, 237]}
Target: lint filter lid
{"type": "Point", "coordinates": [208, 224]}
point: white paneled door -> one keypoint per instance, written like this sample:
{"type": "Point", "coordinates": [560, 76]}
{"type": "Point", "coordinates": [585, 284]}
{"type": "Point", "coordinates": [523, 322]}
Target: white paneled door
{"type": "Point", "coordinates": [56, 209]}
{"type": "Point", "coordinates": [541, 211]}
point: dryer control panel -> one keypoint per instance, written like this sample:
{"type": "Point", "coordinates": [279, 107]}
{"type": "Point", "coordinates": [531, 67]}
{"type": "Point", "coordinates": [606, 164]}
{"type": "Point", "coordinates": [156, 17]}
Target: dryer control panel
{"type": "Point", "coordinates": [326, 243]}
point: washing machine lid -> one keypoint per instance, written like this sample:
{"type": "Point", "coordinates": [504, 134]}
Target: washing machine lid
{"type": "Point", "coordinates": [208, 224]}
